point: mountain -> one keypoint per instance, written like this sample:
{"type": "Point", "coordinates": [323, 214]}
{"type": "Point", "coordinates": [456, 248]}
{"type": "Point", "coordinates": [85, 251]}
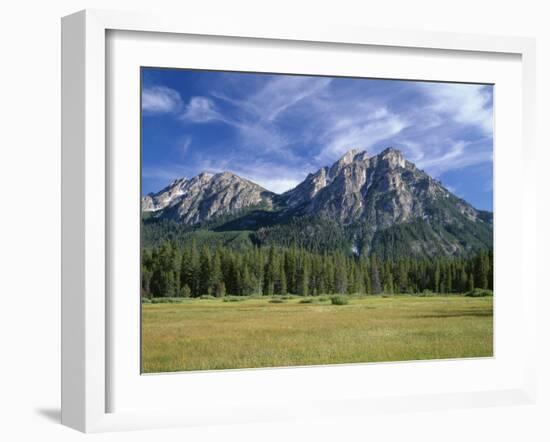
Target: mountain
{"type": "Point", "coordinates": [382, 190]}
{"type": "Point", "coordinates": [381, 204]}
{"type": "Point", "coordinates": [205, 197]}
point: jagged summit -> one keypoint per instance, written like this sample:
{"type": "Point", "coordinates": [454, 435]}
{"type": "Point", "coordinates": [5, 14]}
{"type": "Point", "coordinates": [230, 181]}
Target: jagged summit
{"type": "Point", "coordinates": [348, 157]}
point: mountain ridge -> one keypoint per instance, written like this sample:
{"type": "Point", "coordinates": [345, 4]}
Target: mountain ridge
{"type": "Point", "coordinates": [370, 200]}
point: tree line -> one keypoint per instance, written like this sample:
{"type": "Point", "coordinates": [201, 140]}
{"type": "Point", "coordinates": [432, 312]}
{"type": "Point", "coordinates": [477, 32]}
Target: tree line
{"type": "Point", "coordinates": [168, 270]}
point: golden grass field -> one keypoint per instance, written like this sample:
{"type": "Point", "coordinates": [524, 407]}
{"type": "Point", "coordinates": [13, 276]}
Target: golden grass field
{"type": "Point", "coordinates": [207, 334]}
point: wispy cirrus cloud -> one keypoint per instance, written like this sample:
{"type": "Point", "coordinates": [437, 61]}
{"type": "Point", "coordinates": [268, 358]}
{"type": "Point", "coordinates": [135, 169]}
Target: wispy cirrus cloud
{"type": "Point", "coordinates": [255, 116]}
{"type": "Point", "coordinates": [185, 145]}
{"type": "Point", "coordinates": [458, 155]}
{"type": "Point", "coordinates": [453, 127]}
{"type": "Point", "coordinates": [466, 104]}
{"type": "Point", "coordinates": [361, 130]}
{"type": "Point", "coordinates": [160, 100]}
{"type": "Point", "coordinates": [285, 92]}
{"type": "Point", "coordinates": [275, 129]}
{"type": "Point", "coordinates": [202, 110]}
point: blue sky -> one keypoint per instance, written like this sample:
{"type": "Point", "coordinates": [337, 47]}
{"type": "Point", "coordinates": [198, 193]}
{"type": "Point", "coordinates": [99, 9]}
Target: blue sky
{"type": "Point", "coordinates": [275, 129]}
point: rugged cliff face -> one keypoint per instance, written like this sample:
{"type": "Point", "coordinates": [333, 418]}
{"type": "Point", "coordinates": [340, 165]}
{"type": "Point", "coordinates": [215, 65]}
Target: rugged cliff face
{"type": "Point", "coordinates": [377, 202]}
{"type": "Point", "coordinates": [382, 190]}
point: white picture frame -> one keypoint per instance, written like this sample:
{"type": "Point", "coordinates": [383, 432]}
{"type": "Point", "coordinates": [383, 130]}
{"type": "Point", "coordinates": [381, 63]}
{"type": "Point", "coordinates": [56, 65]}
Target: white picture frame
{"type": "Point", "coordinates": [85, 236]}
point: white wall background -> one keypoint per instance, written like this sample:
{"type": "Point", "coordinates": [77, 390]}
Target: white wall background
{"type": "Point", "coordinates": [30, 216]}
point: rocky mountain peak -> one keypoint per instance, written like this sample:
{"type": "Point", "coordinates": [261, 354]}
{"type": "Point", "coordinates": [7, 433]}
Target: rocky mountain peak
{"type": "Point", "coordinates": [393, 157]}
{"type": "Point", "coordinates": [226, 175]}
{"type": "Point", "coordinates": [349, 156]}
{"type": "Point", "coordinates": [205, 176]}
{"type": "Point", "coordinates": [361, 156]}
{"type": "Point", "coordinates": [344, 160]}
{"type": "Point", "coordinates": [206, 196]}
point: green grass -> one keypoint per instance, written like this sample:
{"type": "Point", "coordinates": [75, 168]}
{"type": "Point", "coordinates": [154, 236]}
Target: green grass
{"type": "Point", "coordinates": [209, 334]}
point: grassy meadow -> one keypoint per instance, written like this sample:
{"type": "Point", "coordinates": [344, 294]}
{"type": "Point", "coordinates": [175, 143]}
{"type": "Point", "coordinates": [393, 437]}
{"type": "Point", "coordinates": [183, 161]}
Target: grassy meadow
{"type": "Point", "coordinates": [226, 333]}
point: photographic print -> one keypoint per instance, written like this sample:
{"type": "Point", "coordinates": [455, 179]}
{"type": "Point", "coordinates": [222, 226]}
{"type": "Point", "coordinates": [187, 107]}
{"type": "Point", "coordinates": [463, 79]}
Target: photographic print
{"type": "Point", "coordinates": [298, 220]}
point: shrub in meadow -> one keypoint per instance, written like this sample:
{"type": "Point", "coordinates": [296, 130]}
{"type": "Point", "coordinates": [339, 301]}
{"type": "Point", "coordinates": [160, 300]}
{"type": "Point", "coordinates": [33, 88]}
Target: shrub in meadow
{"type": "Point", "coordinates": [339, 300]}
{"type": "Point", "coordinates": [307, 301]}
{"type": "Point", "coordinates": [479, 293]}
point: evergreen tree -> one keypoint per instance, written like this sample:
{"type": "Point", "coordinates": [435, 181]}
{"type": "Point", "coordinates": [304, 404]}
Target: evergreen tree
{"type": "Point", "coordinates": [402, 277]}
{"type": "Point", "coordinates": [216, 275]}
{"type": "Point", "coordinates": [449, 285]}
{"type": "Point", "coordinates": [282, 286]}
{"type": "Point", "coordinates": [248, 284]}
{"type": "Point", "coordinates": [437, 278]}
{"type": "Point", "coordinates": [463, 283]}
{"type": "Point", "coordinates": [389, 285]}
{"type": "Point", "coordinates": [304, 280]}
{"type": "Point", "coordinates": [375, 278]}
{"type": "Point", "coordinates": [205, 272]}
{"type": "Point", "coordinates": [359, 281]}
{"type": "Point", "coordinates": [270, 273]}
{"type": "Point", "coordinates": [471, 283]}
{"type": "Point", "coordinates": [219, 289]}
{"type": "Point", "coordinates": [482, 270]}
{"type": "Point", "coordinates": [340, 274]}
{"type": "Point", "coordinates": [328, 275]}
{"type": "Point", "coordinates": [290, 269]}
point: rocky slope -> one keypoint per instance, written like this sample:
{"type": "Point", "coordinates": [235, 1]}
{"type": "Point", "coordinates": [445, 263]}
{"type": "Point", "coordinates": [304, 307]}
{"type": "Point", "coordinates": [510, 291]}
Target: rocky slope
{"type": "Point", "coordinates": [382, 190]}
{"type": "Point", "coordinates": [205, 197]}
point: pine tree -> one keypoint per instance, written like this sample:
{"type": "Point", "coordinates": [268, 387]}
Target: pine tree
{"type": "Point", "coordinates": [359, 281]}
{"type": "Point", "coordinates": [193, 270]}
{"type": "Point", "coordinates": [282, 286]}
{"type": "Point", "coordinates": [328, 274]}
{"type": "Point", "coordinates": [437, 278]}
{"type": "Point", "coordinates": [352, 288]}
{"type": "Point", "coordinates": [482, 270]}
{"type": "Point", "coordinates": [463, 280]}
{"type": "Point", "coordinates": [402, 278]}
{"type": "Point", "coordinates": [375, 278]}
{"type": "Point", "coordinates": [168, 284]}
{"type": "Point", "coordinates": [146, 275]}
{"type": "Point", "coordinates": [270, 273]}
{"type": "Point", "coordinates": [205, 285]}
{"type": "Point", "coordinates": [146, 272]}
{"type": "Point", "coordinates": [471, 283]}
{"type": "Point", "coordinates": [216, 275]}
{"type": "Point", "coordinates": [304, 280]}
{"type": "Point", "coordinates": [340, 275]}
{"type": "Point", "coordinates": [248, 284]}
{"type": "Point", "coordinates": [219, 289]}
{"type": "Point", "coordinates": [290, 269]}
{"type": "Point", "coordinates": [389, 285]}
